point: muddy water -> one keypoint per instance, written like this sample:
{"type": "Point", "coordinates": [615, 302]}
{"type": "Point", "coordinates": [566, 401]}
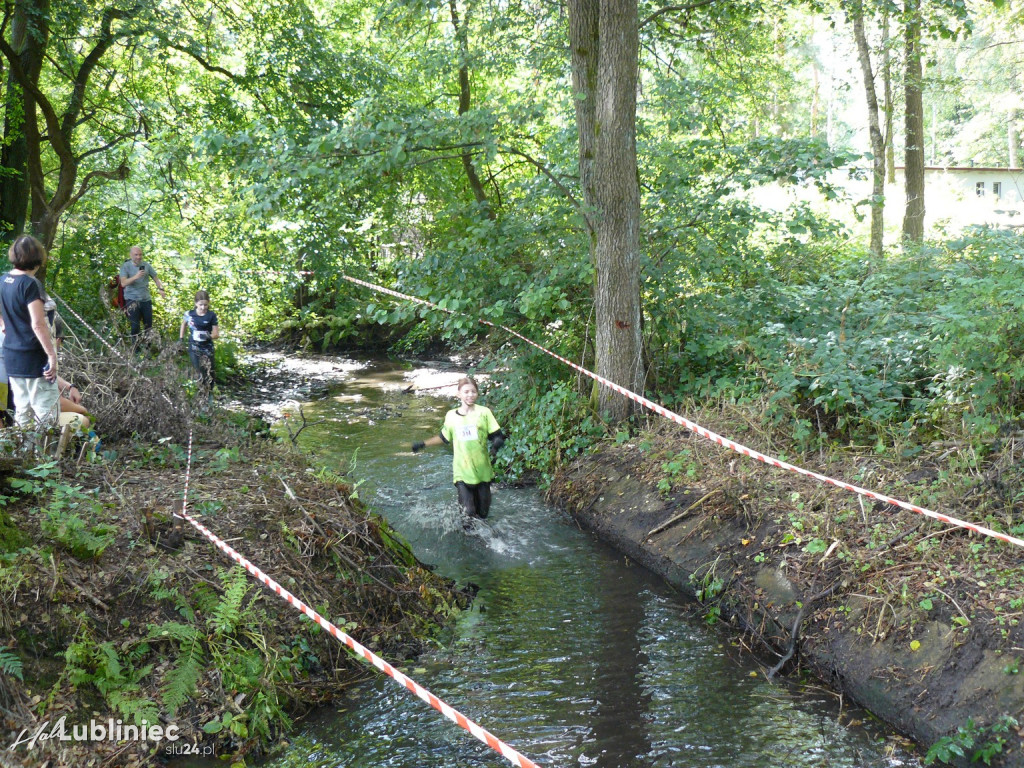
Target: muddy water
{"type": "Point", "coordinates": [570, 654]}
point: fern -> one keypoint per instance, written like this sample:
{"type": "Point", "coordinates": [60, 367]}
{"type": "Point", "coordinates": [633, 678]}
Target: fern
{"type": "Point", "coordinates": [227, 614]}
{"type": "Point", "coordinates": [180, 683]}
{"type": "Point", "coordinates": [183, 634]}
{"type": "Point", "coordinates": [138, 710]}
{"type": "Point", "coordinates": [10, 664]}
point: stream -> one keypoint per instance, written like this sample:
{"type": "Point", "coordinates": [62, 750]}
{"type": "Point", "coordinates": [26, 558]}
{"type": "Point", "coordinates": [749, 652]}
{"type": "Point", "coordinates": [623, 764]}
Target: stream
{"type": "Point", "coordinates": [571, 654]}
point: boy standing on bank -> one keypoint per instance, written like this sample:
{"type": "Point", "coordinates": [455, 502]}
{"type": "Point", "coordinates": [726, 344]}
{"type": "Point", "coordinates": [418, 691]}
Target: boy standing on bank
{"type": "Point", "coordinates": [468, 429]}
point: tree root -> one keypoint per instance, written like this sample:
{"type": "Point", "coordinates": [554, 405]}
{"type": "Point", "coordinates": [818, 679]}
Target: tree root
{"type": "Point", "coordinates": [794, 634]}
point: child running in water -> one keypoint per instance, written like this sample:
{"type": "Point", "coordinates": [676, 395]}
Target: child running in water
{"type": "Point", "coordinates": [468, 429]}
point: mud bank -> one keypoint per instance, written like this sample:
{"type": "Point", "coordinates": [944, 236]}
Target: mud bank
{"type": "Point", "coordinates": [915, 622]}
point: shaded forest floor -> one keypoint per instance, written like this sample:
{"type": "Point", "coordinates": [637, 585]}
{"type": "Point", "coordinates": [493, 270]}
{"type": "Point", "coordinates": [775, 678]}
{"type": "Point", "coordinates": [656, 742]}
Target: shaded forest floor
{"type": "Point", "coordinates": [917, 621]}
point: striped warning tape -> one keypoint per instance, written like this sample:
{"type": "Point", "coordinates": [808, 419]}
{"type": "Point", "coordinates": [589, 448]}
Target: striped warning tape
{"type": "Point", "coordinates": [131, 364]}
{"type": "Point", "coordinates": [712, 436]}
{"type": "Point", "coordinates": [451, 713]}
{"type": "Point", "coordinates": [89, 327]}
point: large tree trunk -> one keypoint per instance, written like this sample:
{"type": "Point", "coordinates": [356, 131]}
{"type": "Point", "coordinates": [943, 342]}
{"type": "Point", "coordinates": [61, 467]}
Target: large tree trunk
{"type": "Point", "coordinates": [583, 48]}
{"type": "Point", "coordinates": [617, 255]}
{"type": "Point", "coordinates": [913, 217]}
{"type": "Point", "coordinates": [28, 41]}
{"type": "Point", "coordinates": [874, 130]}
{"type": "Point", "coordinates": [604, 40]}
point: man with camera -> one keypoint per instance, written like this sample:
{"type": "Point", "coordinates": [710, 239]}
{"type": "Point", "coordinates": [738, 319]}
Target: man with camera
{"type": "Point", "coordinates": [135, 275]}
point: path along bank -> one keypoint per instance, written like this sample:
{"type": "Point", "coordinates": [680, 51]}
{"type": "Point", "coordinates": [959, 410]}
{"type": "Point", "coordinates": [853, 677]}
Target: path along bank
{"type": "Point", "coordinates": [917, 622]}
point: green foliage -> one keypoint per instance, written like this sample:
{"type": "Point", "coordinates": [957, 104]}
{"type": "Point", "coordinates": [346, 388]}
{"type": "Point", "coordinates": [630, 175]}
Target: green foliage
{"type": "Point", "coordinates": [179, 683]}
{"type": "Point", "coordinates": [10, 663]}
{"type": "Point", "coordinates": [70, 517]}
{"type": "Point", "coordinates": [682, 464]}
{"type": "Point", "coordinates": [69, 512]}
{"type": "Point", "coordinates": [228, 613]}
{"type": "Point", "coordinates": [116, 676]}
{"type": "Point", "coordinates": [226, 363]}
{"type": "Point", "coordinates": [36, 480]}
{"type": "Point", "coordinates": [911, 342]}
{"type": "Point", "coordinates": [546, 422]}
{"type": "Point", "coordinates": [970, 739]}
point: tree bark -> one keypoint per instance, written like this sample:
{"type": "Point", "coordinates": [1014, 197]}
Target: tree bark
{"type": "Point", "coordinates": [617, 197]}
{"type": "Point", "coordinates": [874, 130]}
{"type": "Point", "coordinates": [889, 108]}
{"type": "Point", "coordinates": [583, 48]}
{"type": "Point", "coordinates": [29, 37]}
{"type": "Point", "coordinates": [604, 44]}
{"type": "Point", "coordinates": [913, 217]}
{"type": "Point", "coordinates": [462, 41]}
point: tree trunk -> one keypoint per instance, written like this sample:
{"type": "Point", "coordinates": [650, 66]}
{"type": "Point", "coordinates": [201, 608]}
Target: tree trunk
{"type": "Point", "coordinates": [604, 40]}
{"type": "Point", "coordinates": [617, 253]}
{"type": "Point", "coordinates": [28, 41]}
{"type": "Point", "coordinates": [462, 41]}
{"type": "Point", "coordinates": [583, 48]}
{"type": "Point", "coordinates": [889, 108]}
{"type": "Point", "coordinates": [46, 207]}
{"type": "Point", "coordinates": [1012, 139]}
{"type": "Point", "coordinates": [913, 217]}
{"type": "Point", "coordinates": [874, 130]}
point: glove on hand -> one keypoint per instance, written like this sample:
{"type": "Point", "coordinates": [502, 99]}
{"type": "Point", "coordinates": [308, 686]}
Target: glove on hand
{"type": "Point", "coordinates": [418, 446]}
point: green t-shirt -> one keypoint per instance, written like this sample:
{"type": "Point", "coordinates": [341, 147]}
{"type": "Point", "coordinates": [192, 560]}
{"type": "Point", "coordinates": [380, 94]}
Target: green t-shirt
{"type": "Point", "coordinates": [471, 463]}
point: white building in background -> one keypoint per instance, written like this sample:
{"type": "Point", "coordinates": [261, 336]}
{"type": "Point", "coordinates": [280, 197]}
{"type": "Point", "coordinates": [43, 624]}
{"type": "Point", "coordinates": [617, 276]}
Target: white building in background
{"type": "Point", "coordinates": [956, 197]}
{"type": "Point", "coordinates": [968, 195]}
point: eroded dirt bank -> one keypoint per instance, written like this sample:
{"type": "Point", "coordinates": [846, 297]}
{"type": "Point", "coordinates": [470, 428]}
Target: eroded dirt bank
{"type": "Point", "coordinates": [914, 621]}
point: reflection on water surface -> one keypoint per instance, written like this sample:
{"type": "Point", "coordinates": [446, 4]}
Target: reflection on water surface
{"type": "Point", "coordinates": [570, 654]}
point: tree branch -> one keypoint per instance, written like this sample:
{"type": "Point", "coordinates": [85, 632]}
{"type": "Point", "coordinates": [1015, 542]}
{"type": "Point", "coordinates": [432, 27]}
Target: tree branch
{"type": "Point", "coordinates": [551, 177]}
{"type": "Point", "coordinates": [118, 174]}
{"type": "Point", "coordinates": [106, 39]}
{"type": "Point", "coordinates": [203, 62]}
{"type": "Point", "coordinates": [110, 144]}
{"type": "Point", "coordinates": [673, 9]}
{"type": "Point", "coordinates": [32, 89]}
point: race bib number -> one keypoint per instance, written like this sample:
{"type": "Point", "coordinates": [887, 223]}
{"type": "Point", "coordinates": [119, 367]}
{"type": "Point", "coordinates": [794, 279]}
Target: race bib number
{"type": "Point", "coordinates": [466, 432]}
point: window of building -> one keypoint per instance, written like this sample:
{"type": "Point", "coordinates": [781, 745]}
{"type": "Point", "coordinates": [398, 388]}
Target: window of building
{"type": "Point", "coordinates": [997, 188]}
{"type": "Point", "coordinates": [979, 189]}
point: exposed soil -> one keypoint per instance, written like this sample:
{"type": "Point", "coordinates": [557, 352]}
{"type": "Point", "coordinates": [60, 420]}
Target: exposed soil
{"type": "Point", "coordinates": [910, 619]}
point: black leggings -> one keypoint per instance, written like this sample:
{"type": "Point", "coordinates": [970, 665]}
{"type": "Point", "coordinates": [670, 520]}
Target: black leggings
{"type": "Point", "coordinates": [202, 361]}
{"type": "Point", "coordinates": [475, 499]}
{"type": "Point", "coordinates": [140, 313]}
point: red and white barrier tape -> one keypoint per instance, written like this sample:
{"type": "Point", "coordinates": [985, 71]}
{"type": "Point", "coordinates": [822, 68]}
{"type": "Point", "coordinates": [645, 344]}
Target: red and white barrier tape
{"type": "Point", "coordinates": [89, 327]}
{"type": "Point", "coordinates": [712, 436]}
{"type": "Point", "coordinates": [452, 714]}
{"type": "Point", "coordinates": [107, 344]}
